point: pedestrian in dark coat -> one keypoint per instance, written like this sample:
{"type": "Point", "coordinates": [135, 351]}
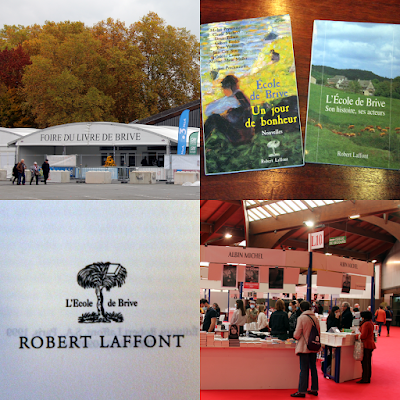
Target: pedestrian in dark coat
{"type": "Point", "coordinates": [46, 170]}
{"type": "Point", "coordinates": [15, 173]}
{"type": "Point", "coordinates": [279, 321]}
{"type": "Point", "coordinates": [347, 316]}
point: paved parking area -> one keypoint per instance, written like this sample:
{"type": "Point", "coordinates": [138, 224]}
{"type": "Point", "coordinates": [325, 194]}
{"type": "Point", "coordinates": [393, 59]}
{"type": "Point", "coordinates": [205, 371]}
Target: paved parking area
{"type": "Point", "coordinates": [83, 191]}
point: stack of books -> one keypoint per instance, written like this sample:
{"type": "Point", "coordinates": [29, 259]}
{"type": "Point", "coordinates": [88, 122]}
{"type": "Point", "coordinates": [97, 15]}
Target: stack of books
{"type": "Point", "coordinates": [234, 343]}
{"type": "Point", "coordinates": [210, 339]}
{"type": "Point", "coordinates": [203, 339]}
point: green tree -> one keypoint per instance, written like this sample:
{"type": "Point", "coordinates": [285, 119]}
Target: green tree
{"type": "Point", "coordinates": [354, 87]}
{"type": "Point", "coordinates": [383, 89]}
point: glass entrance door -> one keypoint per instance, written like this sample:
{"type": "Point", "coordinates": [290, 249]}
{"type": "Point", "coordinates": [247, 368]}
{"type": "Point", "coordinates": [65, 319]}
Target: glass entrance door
{"type": "Point", "coordinates": [122, 159]}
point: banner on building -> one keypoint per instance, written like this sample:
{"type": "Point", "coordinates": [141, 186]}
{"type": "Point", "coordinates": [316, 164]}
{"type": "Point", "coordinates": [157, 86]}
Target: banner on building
{"type": "Point", "coordinates": [183, 125]}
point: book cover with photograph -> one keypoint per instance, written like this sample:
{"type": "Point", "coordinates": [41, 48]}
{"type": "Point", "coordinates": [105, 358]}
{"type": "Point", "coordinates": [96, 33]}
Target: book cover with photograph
{"type": "Point", "coordinates": [353, 115]}
{"type": "Point", "coordinates": [249, 96]}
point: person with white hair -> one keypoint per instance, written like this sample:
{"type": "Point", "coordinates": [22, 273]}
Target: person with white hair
{"type": "Point", "coordinates": [35, 173]}
{"type": "Point", "coordinates": [347, 316]}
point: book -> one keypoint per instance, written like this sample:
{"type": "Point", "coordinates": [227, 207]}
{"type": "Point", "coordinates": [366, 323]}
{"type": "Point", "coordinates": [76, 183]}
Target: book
{"type": "Point", "coordinates": [353, 115]}
{"type": "Point", "coordinates": [113, 269]}
{"type": "Point", "coordinates": [249, 96]}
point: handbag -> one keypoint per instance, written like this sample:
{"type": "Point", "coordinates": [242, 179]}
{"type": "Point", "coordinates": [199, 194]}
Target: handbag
{"type": "Point", "coordinates": [358, 352]}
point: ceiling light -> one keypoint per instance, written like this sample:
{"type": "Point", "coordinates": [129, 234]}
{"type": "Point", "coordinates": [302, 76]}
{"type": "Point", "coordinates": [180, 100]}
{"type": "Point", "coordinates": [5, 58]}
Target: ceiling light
{"type": "Point", "coordinates": [354, 216]}
{"type": "Point", "coordinates": [374, 261]}
{"type": "Point", "coordinates": [328, 254]}
{"type": "Point", "coordinates": [228, 235]}
{"type": "Point", "coordinates": [309, 223]}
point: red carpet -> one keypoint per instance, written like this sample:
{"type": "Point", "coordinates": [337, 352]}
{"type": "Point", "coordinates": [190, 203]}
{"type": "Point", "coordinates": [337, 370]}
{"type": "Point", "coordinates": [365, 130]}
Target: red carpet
{"type": "Point", "coordinates": [385, 380]}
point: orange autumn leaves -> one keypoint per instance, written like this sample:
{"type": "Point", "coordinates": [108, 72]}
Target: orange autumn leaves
{"type": "Point", "coordinates": [109, 72]}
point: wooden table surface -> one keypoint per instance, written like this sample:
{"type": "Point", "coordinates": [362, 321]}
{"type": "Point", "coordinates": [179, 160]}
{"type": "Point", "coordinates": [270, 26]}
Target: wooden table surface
{"type": "Point", "coordinates": [313, 181]}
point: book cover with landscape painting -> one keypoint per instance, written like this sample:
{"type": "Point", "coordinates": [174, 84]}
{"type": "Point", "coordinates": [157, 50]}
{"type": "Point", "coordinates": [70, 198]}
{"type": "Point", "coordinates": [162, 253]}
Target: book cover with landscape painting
{"type": "Point", "coordinates": [353, 113]}
{"type": "Point", "coordinates": [249, 96]}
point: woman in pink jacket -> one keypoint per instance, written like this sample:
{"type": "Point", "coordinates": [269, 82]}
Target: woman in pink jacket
{"type": "Point", "coordinates": [308, 359]}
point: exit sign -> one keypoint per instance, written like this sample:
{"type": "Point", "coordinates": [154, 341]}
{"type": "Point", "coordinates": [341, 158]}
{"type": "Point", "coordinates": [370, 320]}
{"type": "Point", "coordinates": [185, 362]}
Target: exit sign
{"type": "Point", "coordinates": [337, 240]}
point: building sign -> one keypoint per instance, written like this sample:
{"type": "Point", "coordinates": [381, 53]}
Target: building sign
{"type": "Point", "coordinates": [240, 255]}
{"type": "Point", "coordinates": [316, 240]}
{"type": "Point", "coordinates": [343, 281]}
{"type": "Point", "coordinates": [87, 309]}
{"type": "Point", "coordinates": [337, 240]}
{"type": "Point", "coordinates": [98, 134]}
{"type": "Point", "coordinates": [90, 137]}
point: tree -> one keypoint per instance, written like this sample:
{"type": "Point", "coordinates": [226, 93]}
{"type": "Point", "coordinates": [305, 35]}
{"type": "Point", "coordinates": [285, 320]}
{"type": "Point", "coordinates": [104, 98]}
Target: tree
{"type": "Point", "coordinates": [109, 72]}
{"type": "Point", "coordinates": [101, 276]}
{"type": "Point", "coordinates": [171, 63]}
{"type": "Point", "coordinates": [12, 110]}
{"type": "Point", "coordinates": [67, 80]}
{"type": "Point", "coordinates": [383, 89]}
{"type": "Point", "coordinates": [354, 87]}
{"type": "Point", "coordinates": [125, 67]}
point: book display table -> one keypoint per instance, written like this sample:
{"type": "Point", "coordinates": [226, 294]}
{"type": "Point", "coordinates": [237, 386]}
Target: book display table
{"type": "Point", "coordinates": [343, 365]}
{"type": "Point", "coordinates": [278, 366]}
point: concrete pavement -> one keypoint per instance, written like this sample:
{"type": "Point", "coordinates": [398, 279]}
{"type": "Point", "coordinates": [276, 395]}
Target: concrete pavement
{"type": "Point", "coordinates": [83, 191]}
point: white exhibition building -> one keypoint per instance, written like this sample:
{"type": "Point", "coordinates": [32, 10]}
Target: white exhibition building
{"type": "Point", "coordinates": [89, 145]}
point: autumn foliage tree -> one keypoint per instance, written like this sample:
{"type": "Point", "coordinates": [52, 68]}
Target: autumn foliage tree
{"type": "Point", "coordinates": [109, 72]}
{"type": "Point", "coordinates": [171, 63]}
{"type": "Point", "coordinates": [67, 79]}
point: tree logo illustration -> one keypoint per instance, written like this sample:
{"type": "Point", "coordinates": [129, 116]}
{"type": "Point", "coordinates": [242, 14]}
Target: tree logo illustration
{"type": "Point", "coordinates": [101, 276]}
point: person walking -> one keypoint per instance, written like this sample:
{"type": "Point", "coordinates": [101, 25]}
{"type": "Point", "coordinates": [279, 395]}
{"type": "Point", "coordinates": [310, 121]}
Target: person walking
{"type": "Point", "coordinates": [46, 170]}
{"type": "Point", "coordinates": [367, 337]}
{"type": "Point", "coordinates": [15, 174]}
{"type": "Point", "coordinates": [308, 358]}
{"type": "Point", "coordinates": [389, 317]}
{"type": "Point", "coordinates": [380, 318]}
{"type": "Point", "coordinates": [21, 171]}
{"type": "Point", "coordinates": [35, 173]}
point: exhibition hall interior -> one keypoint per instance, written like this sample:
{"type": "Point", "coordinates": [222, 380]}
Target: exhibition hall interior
{"type": "Point", "coordinates": [341, 256]}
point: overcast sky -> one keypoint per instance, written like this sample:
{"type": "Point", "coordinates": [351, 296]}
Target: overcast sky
{"type": "Point", "coordinates": [350, 45]}
{"type": "Point", "coordinates": [178, 13]}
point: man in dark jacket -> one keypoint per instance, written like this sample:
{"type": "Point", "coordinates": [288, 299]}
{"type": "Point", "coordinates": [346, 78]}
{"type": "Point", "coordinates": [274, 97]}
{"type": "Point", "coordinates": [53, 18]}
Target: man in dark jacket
{"type": "Point", "coordinates": [347, 316]}
{"type": "Point", "coordinates": [46, 170]}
